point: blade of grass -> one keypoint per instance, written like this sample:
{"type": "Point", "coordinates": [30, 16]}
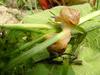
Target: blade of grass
{"type": "Point", "coordinates": [86, 28]}
{"type": "Point", "coordinates": [26, 26]}
{"type": "Point", "coordinates": [89, 16]}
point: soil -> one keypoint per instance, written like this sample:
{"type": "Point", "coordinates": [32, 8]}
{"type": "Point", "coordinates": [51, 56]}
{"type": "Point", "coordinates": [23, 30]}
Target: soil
{"type": "Point", "coordinates": [10, 15]}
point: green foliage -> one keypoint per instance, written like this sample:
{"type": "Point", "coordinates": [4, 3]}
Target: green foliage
{"type": "Point", "coordinates": [34, 51]}
{"type": "Point", "coordinates": [88, 49]}
{"type": "Point", "coordinates": [23, 61]}
{"type": "Point", "coordinates": [29, 4]}
{"type": "Point", "coordinates": [1, 2]}
{"type": "Point", "coordinates": [89, 53]}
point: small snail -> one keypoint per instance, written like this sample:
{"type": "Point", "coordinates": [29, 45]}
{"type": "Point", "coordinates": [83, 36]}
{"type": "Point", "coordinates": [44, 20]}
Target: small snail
{"type": "Point", "coordinates": [69, 17]}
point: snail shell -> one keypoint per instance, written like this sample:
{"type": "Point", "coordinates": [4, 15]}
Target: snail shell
{"type": "Point", "coordinates": [68, 16]}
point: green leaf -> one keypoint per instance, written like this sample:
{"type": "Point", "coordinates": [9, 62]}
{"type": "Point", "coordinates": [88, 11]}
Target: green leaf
{"type": "Point", "coordinates": [89, 54]}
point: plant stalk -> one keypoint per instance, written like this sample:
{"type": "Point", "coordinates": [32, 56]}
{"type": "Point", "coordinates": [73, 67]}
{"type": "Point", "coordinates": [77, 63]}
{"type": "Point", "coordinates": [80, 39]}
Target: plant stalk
{"type": "Point", "coordinates": [89, 16]}
{"type": "Point", "coordinates": [26, 26]}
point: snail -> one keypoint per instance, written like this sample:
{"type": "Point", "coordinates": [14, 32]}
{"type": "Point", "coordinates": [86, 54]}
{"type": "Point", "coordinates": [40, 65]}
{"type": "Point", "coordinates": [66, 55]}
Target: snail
{"type": "Point", "coordinates": [68, 17]}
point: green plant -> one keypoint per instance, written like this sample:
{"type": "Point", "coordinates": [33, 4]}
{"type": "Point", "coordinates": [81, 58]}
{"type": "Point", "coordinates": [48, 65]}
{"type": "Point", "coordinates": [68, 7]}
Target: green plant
{"type": "Point", "coordinates": [24, 60]}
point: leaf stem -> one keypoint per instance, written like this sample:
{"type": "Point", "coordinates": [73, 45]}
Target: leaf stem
{"type": "Point", "coordinates": [26, 26]}
{"type": "Point", "coordinates": [89, 16]}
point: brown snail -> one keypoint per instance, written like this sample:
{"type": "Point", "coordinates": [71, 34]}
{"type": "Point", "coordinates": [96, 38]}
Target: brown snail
{"type": "Point", "coordinates": [69, 17]}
